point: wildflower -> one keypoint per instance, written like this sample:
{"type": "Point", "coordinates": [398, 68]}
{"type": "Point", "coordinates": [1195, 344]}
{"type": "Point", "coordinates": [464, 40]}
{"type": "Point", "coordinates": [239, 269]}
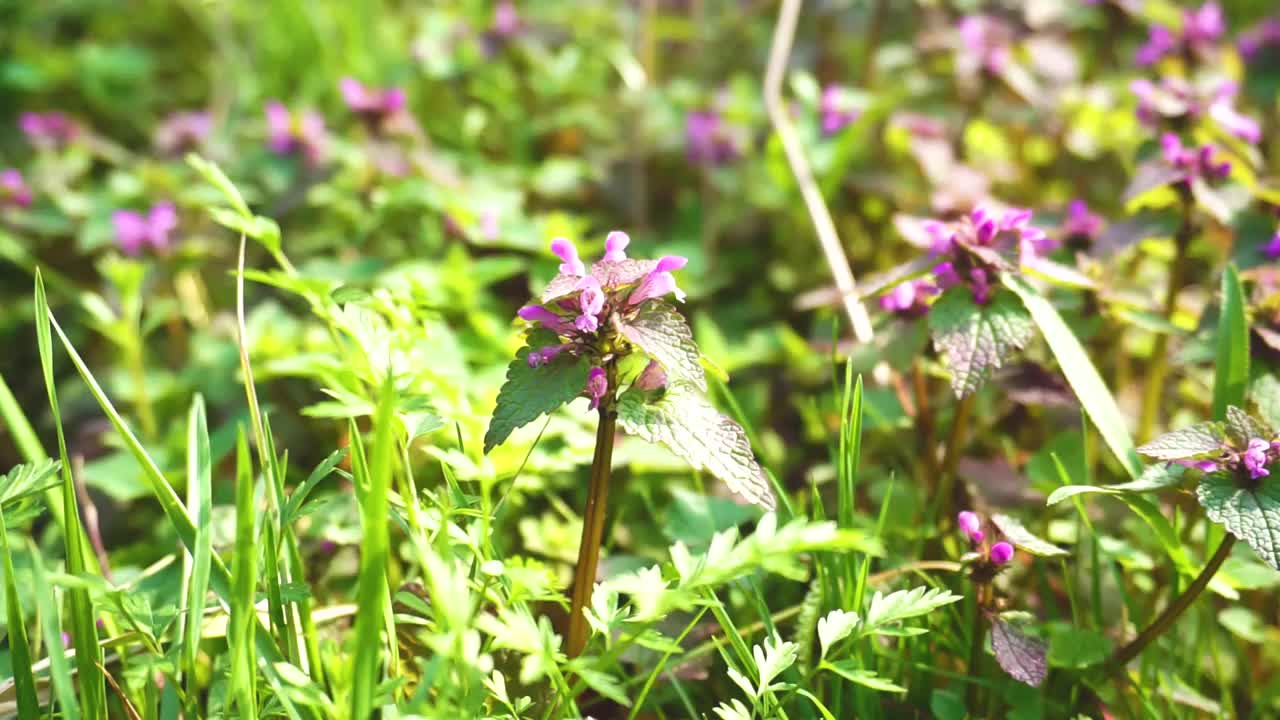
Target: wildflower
{"type": "Point", "coordinates": [1230, 119]}
{"type": "Point", "coordinates": [970, 525]}
{"type": "Point", "coordinates": [581, 305]}
{"type": "Point", "coordinates": [1194, 162]}
{"type": "Point", "coordinates": [1265, 34]}
{"type": "Point", "coordinates": [707, 139]}
{"type": "Point", "coordinates": [836, 110]}
{"type": "Point", "coordinates": [183, 131]}
{"type": "Point", "coordinates": [1000, 553]}
{"type": "Point", "coordinates": [994, 554]}
{"type": "Point", "coordinates": [1207, 466]}
{"type": "Point", "coordinates": [288, 132]}
{"type": "Point", "coordinates": [506, 21]}
{"type": "Point", "coordinates": [1272, 248]}
{"type": "Point", "coordinates": [490, 226]}
{"type": "Point", "coordinates": [1175, 98]}
{"type": "Point", "coordinates": [1080, 222]}
{"type": "Point", "coordinates": [13, 188]}
{"type": "Point", "coordinates": [910, 298]}
{"type": "Point", "coordinates": [1255, 458]}
{"type": "Point", "coordinates": [984, 44]}
{"type": "Point", "coordinates": [47, 129]}
{"type": "Point", "coordinates": [135, 230]}
{"type": "Point", "coordinates": [1201, 29]}
{"type": "Point", "coordinates": [597, 386]}
{"type": "Point", "coordinates": [372, 104]}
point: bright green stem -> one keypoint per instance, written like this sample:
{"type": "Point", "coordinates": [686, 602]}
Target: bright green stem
{"type": "Point", "coordinates": [1175, 609]}
{"type": "Point", "coordinates": [592, 527]}
{"type": "Point", "coordinates": [141, 398]}
{"type": "Point", "coordinates": [1158, 371]}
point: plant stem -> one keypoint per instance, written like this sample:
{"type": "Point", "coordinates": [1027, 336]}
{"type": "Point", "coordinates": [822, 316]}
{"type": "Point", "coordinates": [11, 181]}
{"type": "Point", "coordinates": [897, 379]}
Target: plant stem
{"type": "Point", "coordinates": [1154, 391]}
{"type": "Point", "coordinates": [977, 634]}
{"type": "Point", "coordinates": [592, 527]}
{"type": "Point", "coordinates": [955, 441]}
{"type": "Point", "coordinates": [1175, 609]}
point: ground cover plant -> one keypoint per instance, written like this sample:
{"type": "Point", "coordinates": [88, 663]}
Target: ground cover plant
{"type": "Point", "coordinates": [643, 359]}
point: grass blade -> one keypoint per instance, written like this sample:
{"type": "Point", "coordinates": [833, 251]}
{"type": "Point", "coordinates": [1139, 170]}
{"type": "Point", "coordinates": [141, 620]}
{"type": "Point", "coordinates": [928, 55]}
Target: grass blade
{"type": "Point", "coordinates": [24, 680]}
{"type": "Point", "coordinates": [84, 631]}
{"type": "Point", "coordinates": [1231, 369]}
{"type": "Point", "coordinates": [371, 590]}
{"type": "Point", "coordinates": [200, 501]}
{"type": "Point", "coordinates": [1083, 377]}
{"type": "Point", "coordinates": [64, 689]}
{"type": "Point", "coordinates": [240, 689]}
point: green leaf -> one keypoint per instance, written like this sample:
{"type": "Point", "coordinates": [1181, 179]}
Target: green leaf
{"type": "Point", "coordinates": [1097, 401]}
{"type": "Point", "coordinates": [531, 392]}
{"type": "Point", "coordinates": [1242, 428]}
{"type": "Point", "coordinates": [1078, 648]}
{"type": "Point", "coordinates": [1188, 442]}
{"type": "Point", "coordinates": [1231, 369]}
{"type": "Point", "coordinates": [603, 683]}
{"type": "Point", "coordinates": [23, 481]}
{"type": "Point", "coordinates": [1020, 655]}
{"type": "Point", "coordinates": [849, 670]}
{"type": "Point", "coordinates": [200, 504]}
{"type": "Point", "coordinates": [662, 333]}
{"type": "Point", "coordinates": [19, 647]}
{"type": "Point", "coordinates": [902, 605]}
{"type": "Point", "coordinates": [1154, 478]}
{"type": "Point", "coordinates": [977, 339]}
{"type": "Point", "coordinates": [1016, 533]}
{"type": "Point", "coordinates": [1266, 396]}
{"type": "Point", "coordinates": [684, 421]}
{"type": "Point", "coordinates": [1250, 513]}
{"type": "Point", "coordinates": [1244, 624]}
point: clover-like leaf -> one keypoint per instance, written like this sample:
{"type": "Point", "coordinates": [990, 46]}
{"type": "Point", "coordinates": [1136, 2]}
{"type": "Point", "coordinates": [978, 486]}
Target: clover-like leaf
{"type": "Point", "coordinates": [1188, 442]}
{"type": "Point", "coordinates": [662, 333]}
{"type": "Point", "coordinates": [1024, 539]}
{"type": "Point", "coordinates": [685, 422]}
{"type": "Point", "coordinates": [611, 274]}
{"type": "Point", "coordinates": [977, 339]}
{"type": "Point", "coordinates": [531, 392]}
{"type": "Point", "coordinates": [1020, 655]}
{"type": "Point", "coordinates": [1250, 513]}
{"type": "Point", "coordinates": [1241, 427]}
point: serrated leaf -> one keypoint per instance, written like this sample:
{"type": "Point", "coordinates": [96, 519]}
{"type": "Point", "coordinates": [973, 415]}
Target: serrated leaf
{"type": "Point", "coordinates": [1250, 513]}
{"type": "Point", "coordinates": [849, 670]}
{"type": "Point", "coordinates": [662, 333]}
{"type": "Point", "coordinates": [532, 392]}
{"type": "Point", "coordinates": [28, 479]}
{"type": "Point", "coordinates": [1020, 655]}
{"type": "Point", "coordinates": [903, 604]}
{"type": "Point", "coordinates": [977, 339]}
{"type": "Point", "coordinates": [1188, 442]}
{"type": "Point", "coordinates": [1022, 538]}
{"type": "Point", "coordinates": [1155, 477]}
{"type": "Point", "coordinates": [684, 421]}
{"type": "Point", "coordinates": [836, 626]}
{"type": "Point", "coordinates": [1242, 428]}
{"type": "Point", "coordinates": [612, 275]}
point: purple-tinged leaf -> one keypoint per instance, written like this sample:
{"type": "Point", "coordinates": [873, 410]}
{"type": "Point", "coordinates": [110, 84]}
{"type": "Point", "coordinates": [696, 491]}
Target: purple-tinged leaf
{"type": "Point", "coordinates": [977, 339]}
{"type": "Point", "coordinates": [1188, 442]}
{"type": "Point", "coordinates": [1241, 427]}
{"type": "Point", "coordinates": [612, 275]}
{"type": "Point", "coordinates": [1020, 655]}
{"type": "Point", "coordinates": [660, 331]}
{"type": "Point", "coordinates": [1149, 176]}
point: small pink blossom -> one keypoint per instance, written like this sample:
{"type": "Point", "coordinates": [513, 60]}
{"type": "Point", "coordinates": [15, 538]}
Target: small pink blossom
{"type": "Point", "coordinates": [1001, 553]}
{"type": "Point", "coordinates": [134, 231]}
{"type": "Point", "coordinates": [183, 131]}
{"type": "Point", "coordinates": [659, 281]}
{"type": "Point", "coordinates": [615, 246]}
{"type": "Point", "coordinates": [13, 188]}
{"type": "Point", "coordinates": [597, 386]}
{"type": "Point", "coordinates": [289, 133]}
{"type": "Point", "coordinates": [570, 263]}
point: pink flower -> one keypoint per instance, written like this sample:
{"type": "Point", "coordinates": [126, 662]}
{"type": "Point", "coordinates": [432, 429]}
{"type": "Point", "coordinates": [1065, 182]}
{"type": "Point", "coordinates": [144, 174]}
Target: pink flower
{"type": "Point", "coordinates": [659, 281]}
{"type": "Point", "coordinates": [1255, 458]}
{"type": "Point", "coordinates": [47, 129]}
{"type": "Point", "coordinates": [1272, 248]}
{"type": "Point", "coordinates": [183, 131]}
{"type": "Point", "coordinates": [985, 42]}
{"type": "Point", "coordinates": [289, 133]}
{"type": "Point", "coordinates": [546, 318]}
{"type": "Point", "coordinates": [1160, 42]}
{"type": "Point", "coordinates": [591, 303]}
{"type": "Point", "coordinates": [1080, 222]}
{"type": "Point", "coordinates": [13, 188]}
{"type": "Point", "coordinates": [506, 21]}
{"type": "Point", "coordinates": [374, 104]}
{"type": "Point", "coordinates": [541, 357]}
{"type": "Point", "coordinates": [836, 110]}
{"type": "Point", "coordinates": [134, 230]}
{"type": "Point", "coordinates": [615, 246]}
{"type": "Point", "coordinates": [1001, 553]}
{"type": "Point", "coordinates": [971, 525]}
{"type": "Point", "coordinates": [570, 263]}
{"type": "Point", "coordinates": [597, 386]}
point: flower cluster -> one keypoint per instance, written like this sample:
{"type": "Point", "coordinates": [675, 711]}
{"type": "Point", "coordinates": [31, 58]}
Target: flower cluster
{"type": "Point", "coordinates": [373, 105]}
{"type": "Point", "coordinates": [1080, 222]}
{"type": "Point", "coordinates": [836, 109]}
{"type": "Point", "coordinates": [48, 129]}
{"type": "Point", "coordinates": [135, 230]}
{"type": "Point", "coordinates": [13, 189]}
{"type": "Point", "coordinates": [183, 131]}
{"type": "Point", "coordinates": [985, 44]}
{"type": "Point", "coordinates": [971, 253]}
{"type": "Point", "coordinates": [582, 304]}
{"type": "Point", "coordinates": [1202, 162]}
{"type": "Point", "coordinates": [1252, 459]}
{"type": "Point", "coordinates": [289, 133]}
{"type": "Point", "coordinates": [1201, 29]}
{"type": "Point", "coordinates": [997, 553]}
{"type": "Point", "coordinates": [708, 140]}
{"type": "Point", "coordinates": [1176, 98]}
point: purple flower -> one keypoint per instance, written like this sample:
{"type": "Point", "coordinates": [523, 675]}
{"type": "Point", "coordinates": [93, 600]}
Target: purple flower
{"type": "Point", "coordinates": [836, 110]}
{"type": "Point", "coordinates": [183, 131]}
{"type": "Point", "coordinates": [1272, 248]}
{"type": "Point", "coordinates": [1001, 553]}
{"type": "Point", "coordinates": [546, 318]}
{"type": "Point", "coordinates": [1264, 34]}
{"type": "Point", "coordinates": [1203, 27]}
{"type": "Point", "coordinates": [1160, 42]}
{"type": "Point", "coordinates": [1194, 162]}
{"type": "Point", "coordinates": [66, 640]}
{"type": "Point", "coordinates": [659, 281]}
{"type": "Point", "coordinates": [707, 139]}
{"type": "Point", "coordinates": [970, 525]}
{"type": "Point", "coordinates": [653, 377]}
{"type": "Point", "coordinates": [910, 298]}
{"type": "Point", "coordinates": [47, 129]}
{"type": "Point", "coordinates": [591, 302]}
{"type": "Point", "coordinates": [1080, 222]}
{"type": "Point", "coordinates": [506, 21]}
{"type": "Point", "coordinates": [570, 263]}
{"type": "Point", "coordinates": [134, 230]}
{"type": "Point", "coordinates": [615, 246]}
{"type": "Point", "coordinates": [541, 357]}
{"type": "Point", "coordinates": [1255, 458]}
{"type": "Point", "coordinates": [984, 43]}
{"type": "Point", "coordinates": [289, 133]}
{"type": "Point", "coordinates": [373, 104]}
{"type": "Point", "coordinates": [1207, 466]}
{"type": "Point", "coordinates": [13, 188]}
{"type": "Point", "coordinates": [597, 386]}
